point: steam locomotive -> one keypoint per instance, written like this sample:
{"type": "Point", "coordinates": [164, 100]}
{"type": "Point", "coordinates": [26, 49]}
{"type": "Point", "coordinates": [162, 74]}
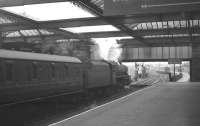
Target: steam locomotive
{"type": "Point", "coordinates": [28, 76]}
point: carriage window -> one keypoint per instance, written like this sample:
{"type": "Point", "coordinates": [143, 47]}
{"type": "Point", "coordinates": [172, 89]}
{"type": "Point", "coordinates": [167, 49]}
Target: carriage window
{"type": "Point", "coordinates": [53, 74]}
{"type": "Point", "coordinates": [1, 72]}
{"type": "Point", "coordinates": [9, 71]}
{"type": "Point", "coordinates": [34, 68]}
{"type": "Point", "coordinates": [28, 73]}
{"type": "Point", "coordinates": [66, 70]}
{"type": "Point", "coordinates": [75, 72]}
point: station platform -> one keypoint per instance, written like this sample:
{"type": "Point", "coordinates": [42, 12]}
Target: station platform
{"type": "Point", "coordinates": [185, 77]}
{"type": "Point", "coordinates": [163, 104]}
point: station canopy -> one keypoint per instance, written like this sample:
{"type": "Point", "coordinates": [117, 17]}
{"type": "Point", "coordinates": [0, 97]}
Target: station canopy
{"type": "Point", "coordinates": [148, 25]}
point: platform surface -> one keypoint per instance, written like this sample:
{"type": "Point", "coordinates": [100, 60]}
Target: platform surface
{"type": "Point", "coordinates": [185, 77]}
{"type": "Point", "coordinates": [171, 104]}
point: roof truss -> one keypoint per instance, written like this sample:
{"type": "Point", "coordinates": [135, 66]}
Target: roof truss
{"type": "Point", "coordinates": [31, 24]}
{"type": "Point", "coordinates": [99, 12]}
{"type": "Point", "coordinates": [126, 24]}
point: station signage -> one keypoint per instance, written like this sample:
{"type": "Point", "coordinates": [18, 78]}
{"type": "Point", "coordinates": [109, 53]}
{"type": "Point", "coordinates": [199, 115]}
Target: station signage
{"type": "Point", "coordinates": [132, 7]}
{"type": "Point", "coordinates": [174, 61]}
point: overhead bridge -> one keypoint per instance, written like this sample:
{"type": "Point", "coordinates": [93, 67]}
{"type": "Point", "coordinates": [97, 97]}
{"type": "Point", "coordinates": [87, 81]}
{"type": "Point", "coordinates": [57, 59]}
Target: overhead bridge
{"type": "Point", "coordinates": [151, 54]}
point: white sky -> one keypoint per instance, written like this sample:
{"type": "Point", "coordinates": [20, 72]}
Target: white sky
{"type": "Point", "coordinates": [66, 10]}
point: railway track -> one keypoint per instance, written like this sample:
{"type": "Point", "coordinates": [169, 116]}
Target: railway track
{"type": "Point", "coordinates": [45, 111]}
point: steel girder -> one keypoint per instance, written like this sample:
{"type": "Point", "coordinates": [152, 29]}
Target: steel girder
{"type": "Point", "coordinates": [99, 12]}
{"type": "Point", "coordinates": [144, 33]}
{"type": "Point", "coordinates": [147, 32]}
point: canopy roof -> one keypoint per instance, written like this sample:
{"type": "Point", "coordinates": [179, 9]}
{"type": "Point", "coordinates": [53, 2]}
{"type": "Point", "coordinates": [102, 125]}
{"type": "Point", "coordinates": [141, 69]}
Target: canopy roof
{"type": "Point", "coordinates": [176, 27]}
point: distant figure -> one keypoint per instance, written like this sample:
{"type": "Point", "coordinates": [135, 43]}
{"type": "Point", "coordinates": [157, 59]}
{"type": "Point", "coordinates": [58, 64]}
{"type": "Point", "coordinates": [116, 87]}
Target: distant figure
{"type": "Point", "coordinates": [140, 68]}
{"type": "Point", "coordinates": [170, 77]}
{"type": "Point", "coordinates": [143, 71]}
{"type": "Point", "coordinates": [136, 74]}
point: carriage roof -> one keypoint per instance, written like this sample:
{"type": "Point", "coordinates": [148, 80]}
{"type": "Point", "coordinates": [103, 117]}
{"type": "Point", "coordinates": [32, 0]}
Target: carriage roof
{"type": "Point", "coordinates": [10, 54]}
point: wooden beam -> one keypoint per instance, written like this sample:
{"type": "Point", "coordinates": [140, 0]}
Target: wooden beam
{"type": "Point", "coordinates": [77, 22]}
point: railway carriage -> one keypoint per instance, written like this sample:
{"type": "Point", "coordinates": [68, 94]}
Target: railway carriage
{"type": "Point", "coordinates": [29, 76]}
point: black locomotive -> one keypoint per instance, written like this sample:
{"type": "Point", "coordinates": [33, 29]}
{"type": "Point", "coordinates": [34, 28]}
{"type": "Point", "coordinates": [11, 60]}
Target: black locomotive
{"type": "Point", "coordinates": [25, 76]}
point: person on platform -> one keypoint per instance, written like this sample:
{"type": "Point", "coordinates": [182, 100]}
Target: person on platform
{"type": "Point", "coordinates": [140, 71]}
{"type": "Point", "coordinates": [136, 72]}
